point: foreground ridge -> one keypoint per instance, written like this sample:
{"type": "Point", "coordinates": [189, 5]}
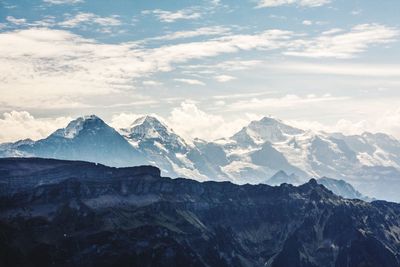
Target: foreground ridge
{"type": "Point", "coordinates": [88, 214]}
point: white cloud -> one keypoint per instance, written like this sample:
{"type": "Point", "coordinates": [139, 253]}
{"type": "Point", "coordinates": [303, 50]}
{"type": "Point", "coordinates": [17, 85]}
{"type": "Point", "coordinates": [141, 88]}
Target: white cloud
{"type": "Point", "coordinates": [304, 3]}
{"type": "Point", "coordinates": [388, 123]}
{"type": "Point", "coordinates": [152, 83]}
{"type": "Point", "coordinates": [346, 69]}
{"type": "Point", "coordinates": [332, 31]}
{"type": "Point", "coordinates": [57, 67]}
{"type": "Point", "coordinates": [289, 101]}
{"type": "Point", "coordinates": [203, 31]}
{"type": "Point", "coordinates": [124, 120]}
{"type": "Point", "coordinates": [243, 95]}
{"type": "Point", "coordinates": [224, 78]}
{"type": "Point", "coordinates": [16, 21]}
{"type": "Point", "coordinates": [41, 63]}
{"type": "Point", "coordinates": [190, 122]}
{"type": "Point", "coordinates": [17, 125]}
{"type": "Point", "coordinates": [356, 12]}
{"type": "Point", "coordinates": [307, 22]}
{"type": "Point", "coordinates": [62, 2]}
{"type": "Point", "coordinates": [172, 16]}
{"type": "Point", "coordinates": [229, 65]}
{"type": "Point", "coordinates": [190, 81]}
{"type": "Point", "coordinates": [90, 18]}
{"type": "Point", "coordinates": [344, 45]}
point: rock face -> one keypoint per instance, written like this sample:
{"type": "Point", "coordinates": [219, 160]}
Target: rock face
{"type": "Point", "coordinates": [83, 214]}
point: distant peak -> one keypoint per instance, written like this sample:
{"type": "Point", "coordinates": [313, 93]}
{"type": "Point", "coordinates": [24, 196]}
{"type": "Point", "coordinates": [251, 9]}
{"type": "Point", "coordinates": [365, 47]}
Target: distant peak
{"type": "Point", "coordinates": [150, 127]}
{"type": "Point", "coordinates": [90, 117]}
{"type": "Point", "coordinates": [266, 129]}
{"type": "Point", "coordinates": [74, 127]}
{"type": "Point", "coordinates": [147, 119]}
{"type": "Point", "coordinates": [270, 120]}
{"type": "Point", "coordinates": [281, 173]}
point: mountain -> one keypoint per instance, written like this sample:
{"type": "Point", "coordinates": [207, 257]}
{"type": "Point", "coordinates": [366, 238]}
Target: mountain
{"type": "Point", "coordinates": [162, 147]}
{"type": "Point", "coordinates": [134, 217]}
{"type": "Point", "coordinates": [282, 177]}
{"type": "Point", "coordinates": [261, 149]}
{"type": "Point", "coordinates": [271, 145]}
{"type": "Point", "coordinates": [342, 188]}
{"type": "Point", "coordinates": [266, 129]}
{"type": "Point", "coordinates": [338, 187]}
{"type": "Point", "coordinates": [268, 146]}
{"type": "Point", "coordinates": [86, 138]}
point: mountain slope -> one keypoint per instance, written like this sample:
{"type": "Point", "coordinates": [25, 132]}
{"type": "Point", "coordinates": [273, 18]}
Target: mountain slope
{"type": "Point", "coordinates": [162, 147]}
{"type": "Point", "coordinates": [267, 146]}
{"type": "Point", "coordinates": [86, 138]}
{"type": "Point", "coordinates": [134, 217]}
{"type": "Point", "coordinates": [342, 188]}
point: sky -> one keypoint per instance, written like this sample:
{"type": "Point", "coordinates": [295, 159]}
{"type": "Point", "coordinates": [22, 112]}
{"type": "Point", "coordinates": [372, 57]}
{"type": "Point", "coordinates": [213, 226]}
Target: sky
{"type": "Point", "coordinates": [204, 67]}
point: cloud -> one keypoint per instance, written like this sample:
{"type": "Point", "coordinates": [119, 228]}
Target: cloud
{"type": "Point", "coordinates": [60, 68]}
{"type": "Point", "coordinates": [16, 21]}
{"type": "Point", "coordinates": [345, 69]}
{"type": "Point", "coordinates": [307, 22]}
{"type": "Point", "coordinates": [172, 16]}
{"type": "Point", "coordinates": [303, 3]}
{"type": "Point", "coordinates": [224, 78]}
{"type": "Point", "coordinates": [190, 122]}
{"type": "Point", "coordinates": [343, 45]}
{"type": "Point", "coordinates": [203, 31]}
{"type": "Point", "coordinates": [356, 12]}
{"type": "Point", "coordinates": [243, 95]}
{"type": "Point", "coordinates": [45, 63]}
{"type": "Point", "coordinates": [152, 83]}
{"type": "Point", "coordinates": [17, 125]}
{"type": "Point", "coordinates": [290, 101]}
{"type": "Point", "coordinates": [388, 123]}
{"type": "Point", "coordinates": [62, 2]}
{"type": "Point", "coordinates": [90, 18]}
{"type": "Point", "coordinates": [190, 81]}
{"type": "Point", "coordinates": [124, 120]}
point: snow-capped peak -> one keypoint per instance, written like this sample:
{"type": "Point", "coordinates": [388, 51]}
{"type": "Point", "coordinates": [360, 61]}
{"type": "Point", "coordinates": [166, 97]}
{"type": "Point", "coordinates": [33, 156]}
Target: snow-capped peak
{"type": "Point", "coordinates": [149, 122]}
{"type": "Point", "coordinates": [149, 127]}
{"type": "Point", "coordinates": [75, 127]}
{"type": "Point", "coordinates": [266, 129]}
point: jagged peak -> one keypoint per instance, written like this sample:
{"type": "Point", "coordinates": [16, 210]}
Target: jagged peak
{"type": "Point", "coordinates": [149, 122]}
{"type": "Point", "coordinates": [280, 173]}
{"type": "Point", "coordinates": [378, 135]}
{"type": "Point", "coordinates": [266, 129]}
{"type": "Point", "coordinates": [75, 126]}
{"type": "Point", "coordinates": [152, 127]}
{"type": "Point", "coordinates": [270, 120]}
{"type": "Point", "coordinates": [313, 185]}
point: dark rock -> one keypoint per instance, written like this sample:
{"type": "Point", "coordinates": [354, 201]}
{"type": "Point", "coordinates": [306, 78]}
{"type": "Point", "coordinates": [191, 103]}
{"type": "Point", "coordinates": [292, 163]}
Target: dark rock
{"type": "Point", "coordinates": [85, 214]}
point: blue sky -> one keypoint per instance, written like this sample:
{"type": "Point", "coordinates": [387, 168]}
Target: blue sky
{"type": "Point", "coordinates": [205, 67]}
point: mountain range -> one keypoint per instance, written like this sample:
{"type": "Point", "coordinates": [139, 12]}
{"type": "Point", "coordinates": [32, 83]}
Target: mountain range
{"type": "Point", "coordinates": [370, 162]}
{"type": "Point", "coordinates": [75, 213]}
